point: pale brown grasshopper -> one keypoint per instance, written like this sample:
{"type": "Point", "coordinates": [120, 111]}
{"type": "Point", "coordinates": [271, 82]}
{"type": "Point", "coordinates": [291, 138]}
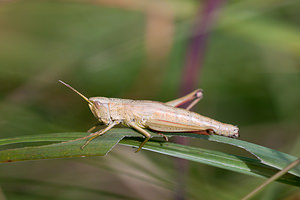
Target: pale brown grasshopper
{"type": "Point", "coordinates": [157, 116]}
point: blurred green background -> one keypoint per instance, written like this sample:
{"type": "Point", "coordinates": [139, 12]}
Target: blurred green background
{"type": "Point", "coordinates": [137, 49]}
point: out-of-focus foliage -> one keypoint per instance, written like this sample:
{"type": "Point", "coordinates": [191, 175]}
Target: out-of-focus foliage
{"type": "Point", "coordinates": [250, 77]}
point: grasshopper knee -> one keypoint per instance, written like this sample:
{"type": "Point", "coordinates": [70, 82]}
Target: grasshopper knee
{"type": "Point", "coordinates": [199, 93]}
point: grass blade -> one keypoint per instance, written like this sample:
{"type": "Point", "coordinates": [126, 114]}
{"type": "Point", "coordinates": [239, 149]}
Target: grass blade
{"type": "Point", "coordinates": [50, 146]}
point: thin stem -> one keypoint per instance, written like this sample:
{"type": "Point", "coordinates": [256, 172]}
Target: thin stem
{"type": "Point", "coordinates": [273, 178]}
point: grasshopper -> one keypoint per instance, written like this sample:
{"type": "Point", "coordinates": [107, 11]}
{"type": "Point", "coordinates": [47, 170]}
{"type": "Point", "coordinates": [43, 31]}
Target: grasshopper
{"type": "Point", "coordinates": [157, 116]}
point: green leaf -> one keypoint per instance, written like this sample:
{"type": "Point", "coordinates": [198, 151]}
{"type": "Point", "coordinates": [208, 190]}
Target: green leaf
{"type": "Point", "coordinates": [234, 163]}
{"type": "Point", "coordinates": [55, 146]}
{"type": "Point", "coordinates": [51, 146]}
{"type": "Point", "coordinates": [268, 156]}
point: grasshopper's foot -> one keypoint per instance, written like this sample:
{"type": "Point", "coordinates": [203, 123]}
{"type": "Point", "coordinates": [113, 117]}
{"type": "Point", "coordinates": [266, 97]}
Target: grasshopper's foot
{"type": "Point", "coordinates": [141, 145]}
{"type": "Point", "coordinates": [82, 147]}
{"type": "Point", "coordinates": [138, 150]}
{"type": "Point", "coordinates": [87, 142]}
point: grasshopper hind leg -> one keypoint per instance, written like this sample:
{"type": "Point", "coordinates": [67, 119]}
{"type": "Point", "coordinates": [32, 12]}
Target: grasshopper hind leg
{"type": "Point", "coordinates": [193, 97]}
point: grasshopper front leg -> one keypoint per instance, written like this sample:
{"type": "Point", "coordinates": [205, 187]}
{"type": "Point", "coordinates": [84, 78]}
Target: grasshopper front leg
{"type": "Point", "coordinates": [97, 134]}
{"type": "Point", "coordinates": [94, 127]}
{"type": "Point", "coordinates": [94, 135]}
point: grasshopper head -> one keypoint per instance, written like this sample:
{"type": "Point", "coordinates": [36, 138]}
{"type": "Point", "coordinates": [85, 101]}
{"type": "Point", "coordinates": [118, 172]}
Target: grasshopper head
{"type": "Point", "coordinates": [99, 107]}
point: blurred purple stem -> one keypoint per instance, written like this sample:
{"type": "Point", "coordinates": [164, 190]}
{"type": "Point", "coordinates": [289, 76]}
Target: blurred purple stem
{"type": "Point", "coordinates": [192, 69]}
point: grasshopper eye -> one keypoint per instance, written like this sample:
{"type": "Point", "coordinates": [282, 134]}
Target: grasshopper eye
{"type": "Point", "coordinates": [97, 104]}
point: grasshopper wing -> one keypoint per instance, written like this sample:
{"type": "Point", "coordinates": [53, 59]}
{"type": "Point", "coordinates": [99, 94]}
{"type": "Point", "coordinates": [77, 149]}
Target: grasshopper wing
{"type": "Point", "coordinates": [170, 126]}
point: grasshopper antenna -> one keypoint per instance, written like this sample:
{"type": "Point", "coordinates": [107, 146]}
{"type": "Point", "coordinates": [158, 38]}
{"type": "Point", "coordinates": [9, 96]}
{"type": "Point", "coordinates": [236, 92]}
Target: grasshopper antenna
{"type": "Point", "coordinates": [84, 97]}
